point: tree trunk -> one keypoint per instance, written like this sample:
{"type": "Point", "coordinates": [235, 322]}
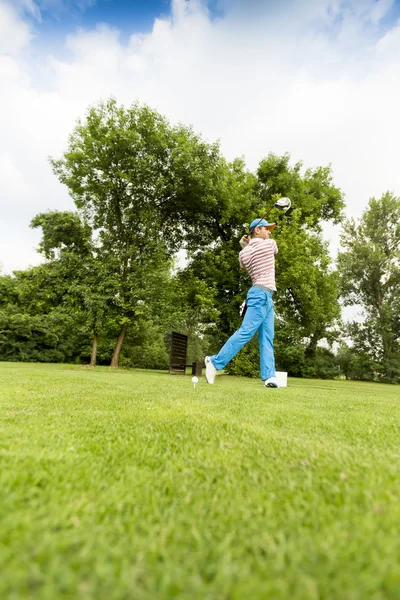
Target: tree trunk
{"type": "Point", "coordinates": [117, 349]}
{"type": "Point", "coordinates": [311, 349]}
{"type": "Point", "coordinates": [94, 351]}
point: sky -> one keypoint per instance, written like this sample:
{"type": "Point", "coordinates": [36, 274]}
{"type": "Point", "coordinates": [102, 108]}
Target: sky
{"type": "Point", "coordinates": [319, 79]}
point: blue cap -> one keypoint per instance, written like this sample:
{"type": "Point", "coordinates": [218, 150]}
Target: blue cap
{"type": "Point", "coordinates": [261, 223]}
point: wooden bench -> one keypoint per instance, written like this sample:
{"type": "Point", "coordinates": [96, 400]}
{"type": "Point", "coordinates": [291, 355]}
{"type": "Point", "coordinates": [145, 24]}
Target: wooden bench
{"type": "Point", "coordinates": [177, 356]}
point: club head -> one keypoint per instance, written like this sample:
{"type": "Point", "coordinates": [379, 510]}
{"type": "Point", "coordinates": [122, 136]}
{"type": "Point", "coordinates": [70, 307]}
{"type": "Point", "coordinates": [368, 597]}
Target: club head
{"type": "Point", "coordinates": [283, 204]}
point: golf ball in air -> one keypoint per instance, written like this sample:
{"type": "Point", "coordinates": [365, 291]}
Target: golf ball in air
{"type": "Point", "coordinates": [195, 380]}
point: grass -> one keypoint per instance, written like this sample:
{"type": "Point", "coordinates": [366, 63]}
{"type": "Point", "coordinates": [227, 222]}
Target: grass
{"type": "Point", "coordinates": [133, 485]}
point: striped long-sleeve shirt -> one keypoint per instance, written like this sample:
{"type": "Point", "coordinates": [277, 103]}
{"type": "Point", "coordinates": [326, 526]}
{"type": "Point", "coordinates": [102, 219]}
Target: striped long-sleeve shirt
{"type": "Point", "coordinates": [258, 258]}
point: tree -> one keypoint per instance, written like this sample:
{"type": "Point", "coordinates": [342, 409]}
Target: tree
{"type": "Point", "coordinates": [75, 292]}
{"type": "Point", "coordinates": [63, 232]}
{"type": "Point", "coordinates": [8, 291]}
{"type": "Point", "coordinates": [307, 298]}
{"type": "Point", "coordinates": [142, 185]}
{"type": "Point", "coordinates": [370, 276]}
{"type": "Point", "coordinates": [52, 337]}
{"type": "Point", "coordinates": [356, 364]}
{"type": "Point", "coordinates": [81, 281]}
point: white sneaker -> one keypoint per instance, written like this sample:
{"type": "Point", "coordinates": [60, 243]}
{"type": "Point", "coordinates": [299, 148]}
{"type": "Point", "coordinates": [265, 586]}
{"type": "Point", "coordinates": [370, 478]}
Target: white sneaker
{"type": "Point", "coordinates": [271, 382]}
{"type": "Point", "coordinates": [211, 371]}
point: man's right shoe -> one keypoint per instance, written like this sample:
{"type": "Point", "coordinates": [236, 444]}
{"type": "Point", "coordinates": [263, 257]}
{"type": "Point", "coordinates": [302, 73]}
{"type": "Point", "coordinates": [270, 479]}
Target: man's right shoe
{"type": "Point", "coordinates": [211, 371]}
{"type": "Point", "coordinates": [271, 382]}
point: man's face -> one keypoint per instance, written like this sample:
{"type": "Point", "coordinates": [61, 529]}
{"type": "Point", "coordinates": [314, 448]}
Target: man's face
{"type": "Point", "coordinates": [263, 233]}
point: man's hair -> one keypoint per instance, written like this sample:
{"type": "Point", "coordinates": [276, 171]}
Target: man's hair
{"type": "Point", "coordinates": [253, 231]}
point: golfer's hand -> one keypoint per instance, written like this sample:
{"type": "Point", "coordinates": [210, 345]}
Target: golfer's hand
{"type": "Point", "coordinates": [244, 241]}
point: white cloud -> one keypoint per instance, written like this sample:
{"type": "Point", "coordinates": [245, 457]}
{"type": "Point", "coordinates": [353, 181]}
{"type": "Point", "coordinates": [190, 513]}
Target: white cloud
{"type": "Point", "coordinates": [319, 81]}
{"type": "Point", "coordinates": [15, 34]}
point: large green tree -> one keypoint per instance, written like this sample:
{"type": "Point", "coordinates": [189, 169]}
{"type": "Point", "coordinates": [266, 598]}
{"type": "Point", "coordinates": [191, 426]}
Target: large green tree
{"type": "Point", "coordinates": [143, 186]}
{"type": "Point", "coordinates": [370, 277]}
{"type": "Point", "coordinates": [307, 298]}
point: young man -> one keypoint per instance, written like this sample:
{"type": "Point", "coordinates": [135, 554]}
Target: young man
{"type": "Point", "coordinates": [258, 258]}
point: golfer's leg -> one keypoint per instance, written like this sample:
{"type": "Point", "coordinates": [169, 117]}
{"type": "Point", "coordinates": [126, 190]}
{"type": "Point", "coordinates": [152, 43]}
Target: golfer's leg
{"type": "Point", "coordinates": [255, 314]}
{"type": "Point", "coordinates": [266, 341]}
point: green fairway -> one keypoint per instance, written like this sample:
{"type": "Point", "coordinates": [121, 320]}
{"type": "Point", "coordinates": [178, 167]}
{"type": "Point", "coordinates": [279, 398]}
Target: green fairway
{"type": "Point", "coordinates": [133, 485]}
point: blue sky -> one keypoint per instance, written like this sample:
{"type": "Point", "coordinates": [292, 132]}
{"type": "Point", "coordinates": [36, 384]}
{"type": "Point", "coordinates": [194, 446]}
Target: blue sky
{"type": "Point", "coordinates": [59, 18]}
{"type": "Point", "coordinates": [318, 79]}
{"type": "Point", "coordinates": [140, 14]}
{"type": "Point", "coordinates": [136, 15]}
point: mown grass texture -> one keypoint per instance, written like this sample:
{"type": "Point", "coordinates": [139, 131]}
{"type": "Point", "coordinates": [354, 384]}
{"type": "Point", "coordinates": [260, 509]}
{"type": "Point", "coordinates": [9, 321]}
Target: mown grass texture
{"type": "Point", "coordinates": [134, 485]}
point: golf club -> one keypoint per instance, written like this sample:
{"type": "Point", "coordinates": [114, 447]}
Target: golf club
{"type": "Point", "coordinates": [282, 204]}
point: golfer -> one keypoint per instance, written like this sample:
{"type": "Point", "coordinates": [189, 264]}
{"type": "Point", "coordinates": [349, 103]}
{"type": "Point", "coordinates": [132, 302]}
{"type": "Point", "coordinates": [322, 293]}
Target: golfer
{"type": "Point", "coordinates": [258, 258]}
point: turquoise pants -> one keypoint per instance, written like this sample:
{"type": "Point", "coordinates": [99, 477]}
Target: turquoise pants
{"type": "Point", "coordinates": [259, 317]}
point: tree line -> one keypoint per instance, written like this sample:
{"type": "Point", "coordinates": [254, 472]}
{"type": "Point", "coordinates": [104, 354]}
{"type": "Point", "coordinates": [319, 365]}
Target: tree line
{"type": "Point", "coordinates": [110, 288]}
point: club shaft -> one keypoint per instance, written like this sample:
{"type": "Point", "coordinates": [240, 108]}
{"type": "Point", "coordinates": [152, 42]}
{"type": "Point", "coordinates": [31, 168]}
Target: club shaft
{"type": "Point", "coordinates": [266, 215]}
